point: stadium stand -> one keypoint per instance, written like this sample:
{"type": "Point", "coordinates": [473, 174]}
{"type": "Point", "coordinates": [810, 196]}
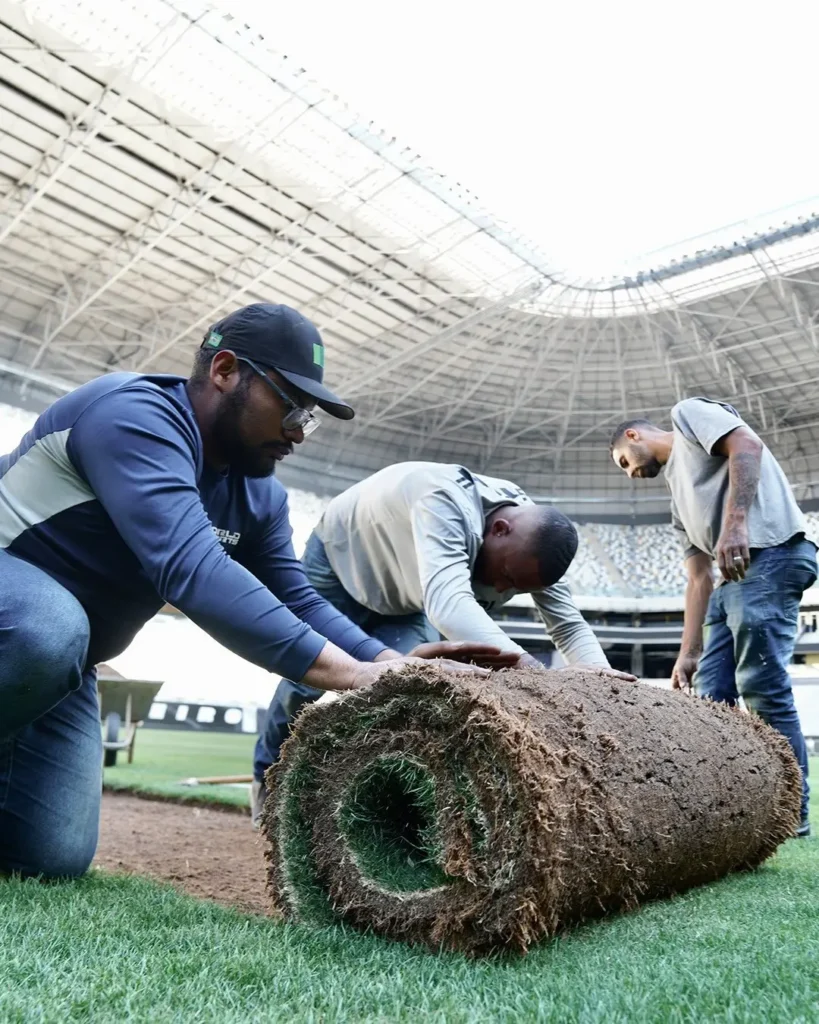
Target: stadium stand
{"type": "Point", "coordinates": [588, 574]}
{"type": "Point", "coordinates": [649, 558]}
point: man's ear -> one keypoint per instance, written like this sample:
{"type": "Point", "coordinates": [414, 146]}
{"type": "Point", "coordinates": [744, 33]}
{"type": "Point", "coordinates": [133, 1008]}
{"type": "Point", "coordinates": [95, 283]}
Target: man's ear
{"type": "Point", "coordinates": [632, 434]}
{"type": "Point", "coordinates": [501, 528]}
{"type": "Point", "coordinates": [223, 368]}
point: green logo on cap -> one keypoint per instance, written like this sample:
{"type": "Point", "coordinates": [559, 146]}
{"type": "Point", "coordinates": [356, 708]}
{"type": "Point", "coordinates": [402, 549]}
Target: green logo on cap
{"type": "Point", "coordinates": [318, 355]}
{"type": "Point", "coordinates": [214, 339]}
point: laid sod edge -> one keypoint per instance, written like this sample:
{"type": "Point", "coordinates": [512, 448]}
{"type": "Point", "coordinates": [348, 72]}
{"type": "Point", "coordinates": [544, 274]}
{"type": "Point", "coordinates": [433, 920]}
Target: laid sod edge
{"type": "Point", "coordinates": [225, 802]}
{"type": "Point", "coordinates": [491, 815]}
{"type": "Point", "coordinates": [164, 757]}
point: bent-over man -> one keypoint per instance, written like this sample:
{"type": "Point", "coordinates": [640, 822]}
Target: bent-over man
{"type": "Point", "coordinates": [421, 550]}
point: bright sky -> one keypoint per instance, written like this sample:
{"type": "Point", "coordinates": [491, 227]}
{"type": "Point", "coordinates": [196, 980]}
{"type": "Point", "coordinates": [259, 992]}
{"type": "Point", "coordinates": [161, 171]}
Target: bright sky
{"type": "Point", "coordinates": [602, 130]}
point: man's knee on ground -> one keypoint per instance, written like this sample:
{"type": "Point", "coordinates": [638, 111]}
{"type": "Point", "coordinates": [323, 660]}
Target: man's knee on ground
{"type": "Point", "coordinates": [68, 856]}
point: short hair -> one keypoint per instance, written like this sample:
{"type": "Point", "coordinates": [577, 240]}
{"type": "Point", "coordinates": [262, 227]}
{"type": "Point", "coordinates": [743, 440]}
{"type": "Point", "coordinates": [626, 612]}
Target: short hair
{"type": "Point", "coordinates": [554, 544]}
{"type": "Point", "coordinates": [621, 428]}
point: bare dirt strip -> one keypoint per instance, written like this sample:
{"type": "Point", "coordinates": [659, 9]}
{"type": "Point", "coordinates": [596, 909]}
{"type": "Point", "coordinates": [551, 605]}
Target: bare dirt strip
{"type": "Point", "coordinates": [210, 854]}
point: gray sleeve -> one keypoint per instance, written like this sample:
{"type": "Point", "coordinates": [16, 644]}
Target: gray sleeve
{"type": "Point", "coordinates": [688, 548]}
{"type": "Point", "coordinates": [572, 635]}
{"type": "Point", "coordinates": [440, 530]}
{"type": "Point", "coordinates": [704, 422]}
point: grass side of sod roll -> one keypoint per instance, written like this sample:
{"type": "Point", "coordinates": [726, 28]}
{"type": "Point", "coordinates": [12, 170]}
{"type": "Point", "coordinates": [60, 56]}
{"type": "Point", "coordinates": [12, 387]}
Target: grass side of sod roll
{"type": "Point", "coordinates": [487, 816]}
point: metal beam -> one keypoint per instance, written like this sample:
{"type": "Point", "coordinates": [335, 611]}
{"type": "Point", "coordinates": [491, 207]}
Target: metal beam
{"type": "Point", "coordinates": [704, 342]}
{"type": "Point", "coordinates": [579, 358]}
{"type": "Point", "coordinates": [483, 333]}
{"type": "Point", "coordinates": [522, 339]}
{"type": "Point", "coordinates": [150, 230]}
{"type": "Point", "coordinates": [530, 379]}
{"type": "Point", "coordinates": [749, 295]}
{"type": "Point", "coordinates": [480, 333]}
{"type": "Point", "coordinates": [85, 126]}
{"type": "Point", "coordinates": [228, 292]}
{"type": "Point", "coordinates": [360, 382]}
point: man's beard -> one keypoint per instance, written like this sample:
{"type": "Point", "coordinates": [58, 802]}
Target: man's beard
{"type": "Point", "coordinates": [255, 462]}
{"type": "Point", "coordinates": [252, 462]}
{"type": "Point", "coordinates": [650, 469]}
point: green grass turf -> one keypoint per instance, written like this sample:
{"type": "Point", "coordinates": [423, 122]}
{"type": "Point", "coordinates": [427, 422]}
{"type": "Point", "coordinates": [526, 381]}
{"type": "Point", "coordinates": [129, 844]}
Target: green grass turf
{"type": "Point", "coordinates": [162, 758]}
{"type": "Point", "coordinates": [120, 949]}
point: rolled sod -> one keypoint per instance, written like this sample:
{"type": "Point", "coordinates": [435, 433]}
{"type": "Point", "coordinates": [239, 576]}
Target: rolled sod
{"type": "Point", "coordinates": [484, 813]}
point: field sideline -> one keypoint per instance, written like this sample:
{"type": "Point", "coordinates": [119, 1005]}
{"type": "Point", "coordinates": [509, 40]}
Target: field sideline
{"type": "Point", "coordinates": [163, 758]}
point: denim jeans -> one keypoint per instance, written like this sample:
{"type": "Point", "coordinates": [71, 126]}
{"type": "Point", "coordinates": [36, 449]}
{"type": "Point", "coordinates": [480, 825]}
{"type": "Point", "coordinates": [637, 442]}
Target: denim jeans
{"type": "Point", "coordinates": [750, 631]}
{"type": "Point", "coordinates": [50, 739]}
{"type": "Point", "coordinates": [400, 632]}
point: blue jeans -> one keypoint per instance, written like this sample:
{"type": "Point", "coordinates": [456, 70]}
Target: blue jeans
{"type": "Point", "coordinates": [50, 739]}
{"type": "Point", "coordinates": [750, 631]}
{"type": "Point", "coordinates": [400, 632]}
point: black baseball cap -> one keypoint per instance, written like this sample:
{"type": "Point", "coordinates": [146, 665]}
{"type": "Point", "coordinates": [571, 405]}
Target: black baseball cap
{"type": "Point", "coordinates": [279, 338]}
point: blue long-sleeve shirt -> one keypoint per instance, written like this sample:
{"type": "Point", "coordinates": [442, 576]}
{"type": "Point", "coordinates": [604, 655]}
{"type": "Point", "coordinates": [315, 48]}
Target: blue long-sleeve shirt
{"type": "Point", "coordinates": [109, 494]}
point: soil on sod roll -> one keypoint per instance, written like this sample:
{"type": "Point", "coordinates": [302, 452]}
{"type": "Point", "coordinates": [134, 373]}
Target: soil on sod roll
{"type": "Point", "coordinates": [489, 813]}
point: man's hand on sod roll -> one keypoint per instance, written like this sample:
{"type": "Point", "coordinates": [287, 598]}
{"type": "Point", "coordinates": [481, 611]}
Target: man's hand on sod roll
{"type": "Point", "coordinates": [494, 658]}
{"type": "Point", "coordinates": [682, 675]}
{"type": "Point", "coordinates": [463, 651]}
{"type": "Point", "coordinates": [601, 670]}
{"type": "Point", "coordinates": [335, 670]}
{"type": "Point", "coordinates": [698, 592]}
{"type": "Point", "coordinates": [486, 655]}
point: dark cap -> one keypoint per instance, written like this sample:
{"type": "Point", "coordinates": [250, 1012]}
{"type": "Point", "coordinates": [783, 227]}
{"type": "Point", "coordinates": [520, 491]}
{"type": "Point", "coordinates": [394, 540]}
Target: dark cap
{"type": "Point", "coordinates": [279, 338]}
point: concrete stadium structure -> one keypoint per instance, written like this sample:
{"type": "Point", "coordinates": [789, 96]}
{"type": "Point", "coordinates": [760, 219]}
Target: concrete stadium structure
{"type": "Point", "coordinates": [142, 197]}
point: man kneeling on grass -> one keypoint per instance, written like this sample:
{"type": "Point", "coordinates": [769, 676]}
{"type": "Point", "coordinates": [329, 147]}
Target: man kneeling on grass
{"type": "Point", "coordinates": [423, 549]}
{"type": "Point", "coordinates": [134, 491]}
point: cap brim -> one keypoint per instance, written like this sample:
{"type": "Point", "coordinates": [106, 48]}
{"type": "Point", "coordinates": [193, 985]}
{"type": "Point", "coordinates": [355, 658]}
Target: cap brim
{"type": "Point", "coordinates": [324, 397]}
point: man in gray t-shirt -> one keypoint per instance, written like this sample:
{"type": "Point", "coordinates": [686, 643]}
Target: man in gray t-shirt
{"type": "Point", "coordinates": [731, 503]}
{"type": "Point", "coordinates": [422, 549]}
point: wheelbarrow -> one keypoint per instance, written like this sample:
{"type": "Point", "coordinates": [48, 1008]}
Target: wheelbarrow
{"type": "Point", "coordinates": [124, 705]}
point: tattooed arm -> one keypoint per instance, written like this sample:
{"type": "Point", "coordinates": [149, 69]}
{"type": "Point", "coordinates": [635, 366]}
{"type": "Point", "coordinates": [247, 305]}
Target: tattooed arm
{"type": "Point", "coordinates": [743, 449]}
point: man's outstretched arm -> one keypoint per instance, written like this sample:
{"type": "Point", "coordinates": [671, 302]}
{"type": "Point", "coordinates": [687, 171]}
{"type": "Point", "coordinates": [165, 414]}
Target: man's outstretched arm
{"type": "Point", "coordinates": [697, 594]}
{"type": "Point", "coordinates": [137, 453]}
{"type": "Point", "coordinates": [440, 537]}
{"type": "Point", "coordinates": [273, 561]}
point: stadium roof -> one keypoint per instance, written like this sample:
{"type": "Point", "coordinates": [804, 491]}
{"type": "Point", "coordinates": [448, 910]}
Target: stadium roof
{"type": "Point", "coordinates": [140, 199]}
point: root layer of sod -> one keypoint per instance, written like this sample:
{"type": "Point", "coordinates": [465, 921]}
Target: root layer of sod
{"type": "Point", "coordinates": [489, 814]}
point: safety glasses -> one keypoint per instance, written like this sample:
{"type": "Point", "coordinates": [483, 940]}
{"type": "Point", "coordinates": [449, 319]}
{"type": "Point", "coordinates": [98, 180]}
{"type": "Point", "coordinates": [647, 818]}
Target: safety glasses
{"type": "Point", "coordinates": [297, 418]}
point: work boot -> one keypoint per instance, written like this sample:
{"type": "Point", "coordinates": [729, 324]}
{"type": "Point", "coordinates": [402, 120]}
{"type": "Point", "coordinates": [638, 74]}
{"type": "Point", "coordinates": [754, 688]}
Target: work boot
{"type": "Point", "coordinates": [258, 795]}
